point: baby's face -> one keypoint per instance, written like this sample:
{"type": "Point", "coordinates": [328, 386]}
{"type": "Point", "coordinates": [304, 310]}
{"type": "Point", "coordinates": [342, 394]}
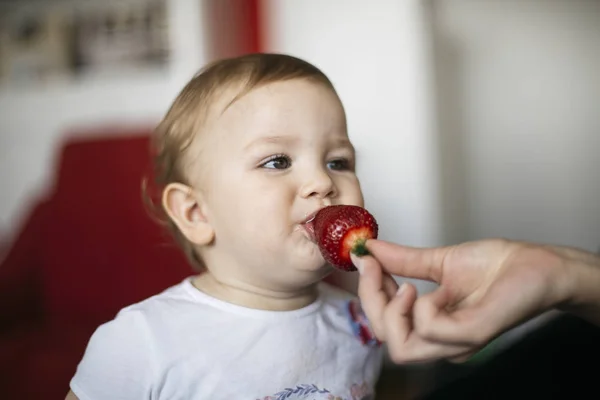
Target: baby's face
{"type": "Point", "coordinates": [273, 158]}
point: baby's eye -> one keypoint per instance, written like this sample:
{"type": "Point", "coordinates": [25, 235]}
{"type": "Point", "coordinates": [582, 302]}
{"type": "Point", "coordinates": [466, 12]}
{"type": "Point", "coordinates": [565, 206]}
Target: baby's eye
{"type": "Point", "coordinates": [278, 162]}
{"type": "Point", "coordinates": [341, 164]}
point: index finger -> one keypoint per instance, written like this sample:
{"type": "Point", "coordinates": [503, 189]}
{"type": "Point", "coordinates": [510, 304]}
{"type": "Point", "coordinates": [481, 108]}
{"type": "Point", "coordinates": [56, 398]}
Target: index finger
{"type": "Point", "coordinates": [375, 290]}
{"type": "Point", "coordinates": [410, 262]}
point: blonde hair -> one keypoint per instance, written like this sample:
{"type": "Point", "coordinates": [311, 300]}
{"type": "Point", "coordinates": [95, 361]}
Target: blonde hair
{"type": "Point", "coordinates": [184, 119]}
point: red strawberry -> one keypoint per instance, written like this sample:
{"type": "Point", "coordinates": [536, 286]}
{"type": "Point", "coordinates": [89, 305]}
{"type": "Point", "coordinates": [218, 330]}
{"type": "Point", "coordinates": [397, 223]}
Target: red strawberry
{"type": "Point", "coordinates": [342, 229]}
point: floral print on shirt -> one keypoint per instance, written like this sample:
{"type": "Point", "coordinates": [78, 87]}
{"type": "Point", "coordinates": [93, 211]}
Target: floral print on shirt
{"type": "Point", "coordinates": [360, 324]}
{"type": "Point", "coordinates": [313, 392]}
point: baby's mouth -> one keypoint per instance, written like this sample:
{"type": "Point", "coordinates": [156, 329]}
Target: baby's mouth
{"type": "Point", "coordinates": [309, 226]}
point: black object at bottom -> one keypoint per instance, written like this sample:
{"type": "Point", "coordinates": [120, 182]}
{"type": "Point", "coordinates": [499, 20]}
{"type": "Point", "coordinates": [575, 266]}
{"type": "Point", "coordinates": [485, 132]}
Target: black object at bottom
{"type": "Point", "coordinates": [559, 360]}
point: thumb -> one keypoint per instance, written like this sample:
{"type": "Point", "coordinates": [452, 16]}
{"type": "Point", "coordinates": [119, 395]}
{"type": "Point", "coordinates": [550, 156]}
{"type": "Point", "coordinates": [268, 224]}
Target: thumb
{"type": "Point", "coordinates": [410, 262]}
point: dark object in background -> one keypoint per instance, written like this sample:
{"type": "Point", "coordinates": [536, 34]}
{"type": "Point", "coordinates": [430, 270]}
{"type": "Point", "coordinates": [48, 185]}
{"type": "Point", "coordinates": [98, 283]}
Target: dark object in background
{"type": "Point", "coordinates": [557, 361]}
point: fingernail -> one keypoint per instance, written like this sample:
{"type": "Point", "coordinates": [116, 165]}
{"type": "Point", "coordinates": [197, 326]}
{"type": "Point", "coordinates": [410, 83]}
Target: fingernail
{"type": "Point", "coordinates": [358, 262]}
{"type": "Point", "coordinates": [401, 289]}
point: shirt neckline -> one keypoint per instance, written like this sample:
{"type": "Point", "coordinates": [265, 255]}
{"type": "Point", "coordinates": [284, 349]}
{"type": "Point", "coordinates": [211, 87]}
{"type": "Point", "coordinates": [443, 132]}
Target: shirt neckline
{"type": "Point", "coordinates": [202, 297]}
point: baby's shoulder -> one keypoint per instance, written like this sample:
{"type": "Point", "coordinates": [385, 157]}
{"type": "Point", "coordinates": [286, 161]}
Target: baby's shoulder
{"type": "Point", "coordinates": [174, 306]}
{"type": "Point", "coordinates": [124, 355]}
{"type": "Point", "coordinates": [176, 295]}
{"type": "Point", "coordinates": [135, 318]}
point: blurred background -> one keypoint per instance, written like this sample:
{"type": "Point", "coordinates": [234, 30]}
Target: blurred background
{"type": "Point", "coordinates": [471, 119]}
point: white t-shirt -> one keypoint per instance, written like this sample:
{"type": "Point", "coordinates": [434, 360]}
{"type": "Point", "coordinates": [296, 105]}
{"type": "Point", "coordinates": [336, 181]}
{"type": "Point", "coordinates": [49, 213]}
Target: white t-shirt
{"type": "Point", "coordinates": [184, 344]}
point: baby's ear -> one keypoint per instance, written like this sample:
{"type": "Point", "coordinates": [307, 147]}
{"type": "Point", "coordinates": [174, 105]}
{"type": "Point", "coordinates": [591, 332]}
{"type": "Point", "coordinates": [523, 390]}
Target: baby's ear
{"type": "Point", "coordinates": [185, 209]}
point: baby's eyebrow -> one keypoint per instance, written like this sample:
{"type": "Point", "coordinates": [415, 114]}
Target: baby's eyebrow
{"type": "Point", "coordinates": [344, 143]}
{"type": "Point", "coordinates": [287, 140]}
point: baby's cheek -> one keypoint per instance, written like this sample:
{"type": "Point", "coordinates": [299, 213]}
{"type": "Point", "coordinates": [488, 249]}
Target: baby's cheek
{"type": "Point", "coordinates": [353, 196]}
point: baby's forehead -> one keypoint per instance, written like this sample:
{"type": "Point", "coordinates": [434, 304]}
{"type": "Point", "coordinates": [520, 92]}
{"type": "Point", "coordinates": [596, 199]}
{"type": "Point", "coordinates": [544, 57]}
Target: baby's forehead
{"type": "Point", "coordinates": [229, 102]}
{"type": "Point", "coordinates": [273, 109]}
{"type": "Point", "coordinates": [224, 97]}
{"type": "Point", "coordinates": [285, 97]}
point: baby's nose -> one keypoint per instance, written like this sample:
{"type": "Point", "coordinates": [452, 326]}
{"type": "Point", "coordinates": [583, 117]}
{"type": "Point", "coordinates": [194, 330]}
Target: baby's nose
{"type": "Point", "coordinates": [319, 184]}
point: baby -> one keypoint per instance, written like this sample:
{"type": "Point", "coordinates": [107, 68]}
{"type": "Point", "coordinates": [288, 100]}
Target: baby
{"type": "Point", "coordinates": [251, 148]}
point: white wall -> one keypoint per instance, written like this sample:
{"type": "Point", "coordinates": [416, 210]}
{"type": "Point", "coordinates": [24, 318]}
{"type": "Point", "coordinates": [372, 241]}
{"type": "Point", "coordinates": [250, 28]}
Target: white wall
{"type": "Point", "coordinates": [34, 120]}
{"type": "Point", "coordinates": [519, 88]}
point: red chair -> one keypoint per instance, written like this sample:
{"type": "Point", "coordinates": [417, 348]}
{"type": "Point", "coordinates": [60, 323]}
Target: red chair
{"type": "Point", "coordinates": [87, 250]}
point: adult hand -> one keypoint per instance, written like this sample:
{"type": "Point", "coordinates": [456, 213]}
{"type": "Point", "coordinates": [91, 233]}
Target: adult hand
{"type": "Point", "coordinates": [485, 288]}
